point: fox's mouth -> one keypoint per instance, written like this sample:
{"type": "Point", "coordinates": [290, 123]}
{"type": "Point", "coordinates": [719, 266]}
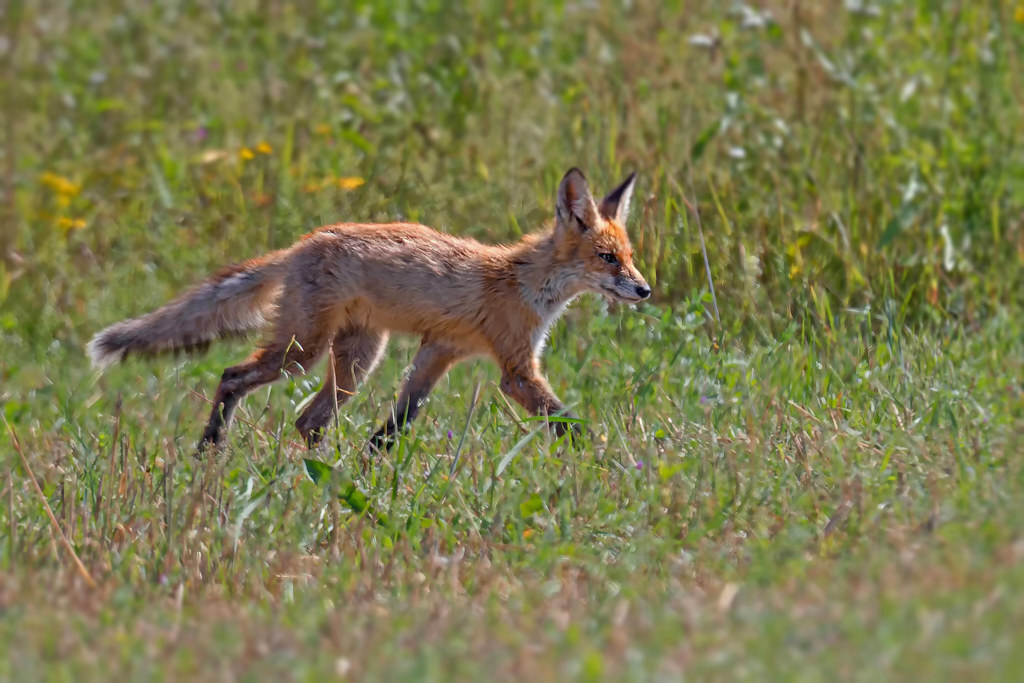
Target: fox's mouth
{"type": "Point", "coordinates": [619, 296]}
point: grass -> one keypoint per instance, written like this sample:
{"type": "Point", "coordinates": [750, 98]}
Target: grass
{"type": "Point", "coordinates": [822, 484]}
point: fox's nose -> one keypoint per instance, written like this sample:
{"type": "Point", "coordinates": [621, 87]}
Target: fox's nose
{"type": "Point", "coordinates": [643, 291]}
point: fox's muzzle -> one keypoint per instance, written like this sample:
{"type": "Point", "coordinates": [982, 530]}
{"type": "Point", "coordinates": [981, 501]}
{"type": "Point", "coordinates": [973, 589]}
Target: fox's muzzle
{"type": "Point", "coordinates": [629, 289]}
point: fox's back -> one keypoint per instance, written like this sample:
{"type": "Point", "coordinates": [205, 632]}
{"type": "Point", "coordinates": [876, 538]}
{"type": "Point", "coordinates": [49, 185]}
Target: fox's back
{"type": "Point", "coordinates": [407, 277]}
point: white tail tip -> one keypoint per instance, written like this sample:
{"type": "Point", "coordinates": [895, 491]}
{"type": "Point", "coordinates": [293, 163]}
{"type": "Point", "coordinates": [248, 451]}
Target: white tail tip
{"type": "Point", "coordinates": [101, 355]}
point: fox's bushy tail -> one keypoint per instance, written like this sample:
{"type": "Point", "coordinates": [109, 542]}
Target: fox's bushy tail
{"type": "Point", "coordinates": [237, 300]}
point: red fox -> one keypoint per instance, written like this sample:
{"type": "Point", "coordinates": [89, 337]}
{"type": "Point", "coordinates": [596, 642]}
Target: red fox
{"type": "Point", "coordinates": [346, 287]}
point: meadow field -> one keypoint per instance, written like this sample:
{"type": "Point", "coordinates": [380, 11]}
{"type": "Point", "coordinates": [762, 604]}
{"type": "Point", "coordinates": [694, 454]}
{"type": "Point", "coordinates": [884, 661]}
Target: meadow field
{"type": "Point", "coordinates": [812, 471]}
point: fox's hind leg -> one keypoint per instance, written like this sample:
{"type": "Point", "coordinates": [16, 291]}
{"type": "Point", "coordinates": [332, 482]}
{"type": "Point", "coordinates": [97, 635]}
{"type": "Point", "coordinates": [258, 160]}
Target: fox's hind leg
{"type": "Point", "coordinates": [356, 353]}
{"type": "Point", "coordinates": [263, 367]}
{"type": "Point", "coordinates": [431, 363]}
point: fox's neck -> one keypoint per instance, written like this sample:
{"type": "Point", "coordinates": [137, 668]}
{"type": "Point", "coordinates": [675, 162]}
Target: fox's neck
{"type": "Point", "coordinates": [548, 283]}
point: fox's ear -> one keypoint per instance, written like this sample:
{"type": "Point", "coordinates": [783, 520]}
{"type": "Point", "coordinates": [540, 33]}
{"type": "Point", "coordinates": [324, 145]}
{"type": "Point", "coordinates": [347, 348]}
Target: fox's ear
{"type": "Point", "coordinates": [575, 203]}
{"type": "Point", "coordinates": [616, 205]}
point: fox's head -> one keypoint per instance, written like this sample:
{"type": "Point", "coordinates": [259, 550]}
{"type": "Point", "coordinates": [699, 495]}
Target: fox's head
{"type": "Point", "coordinates": [593, 237]}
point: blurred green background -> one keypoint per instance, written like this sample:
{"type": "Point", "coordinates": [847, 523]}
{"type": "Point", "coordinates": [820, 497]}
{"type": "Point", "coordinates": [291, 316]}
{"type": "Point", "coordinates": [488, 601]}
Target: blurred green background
{"type": "Point", "coordinates": [820, 481]}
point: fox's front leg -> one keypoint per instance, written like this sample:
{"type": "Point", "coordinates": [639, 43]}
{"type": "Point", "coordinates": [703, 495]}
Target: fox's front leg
{"type": "Point", "coordinates": [530, 390]}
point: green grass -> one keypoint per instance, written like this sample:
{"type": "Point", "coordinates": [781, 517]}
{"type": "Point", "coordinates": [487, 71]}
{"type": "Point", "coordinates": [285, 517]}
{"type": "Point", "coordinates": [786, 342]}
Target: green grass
{"type": "Point", "coordinates": [826, 483]}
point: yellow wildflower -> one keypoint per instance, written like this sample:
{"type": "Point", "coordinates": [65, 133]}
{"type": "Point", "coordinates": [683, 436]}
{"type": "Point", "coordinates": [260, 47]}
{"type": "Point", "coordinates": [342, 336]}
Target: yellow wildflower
{"type": "Point", "coordinates": [245, 154]}
{"type": "Point", "coordinates": [60, 184]}
{"type": "Point", "coordinates": [322, 129]}
{"type": "Point", "coordinates": [343, 183]}
{"type": "Point", "coordinates": [264, 147]}
{"type": "Point", "coordinates": [70, 223]}
{"type": "Point", "coordinates": [350, 182]}
{"type": "Point", "coordinates": [1018, 14]}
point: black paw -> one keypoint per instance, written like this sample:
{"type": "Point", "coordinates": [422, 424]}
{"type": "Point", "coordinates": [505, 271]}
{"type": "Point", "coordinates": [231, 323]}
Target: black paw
{"type": "Point", "coordinates": [210, 443]}
{"type": "Point", "coordinates": [313, 437]}
{"type": "Point", "coordinates": [574, 432]}
{"type": "Point", "coordinates": [382, 440]}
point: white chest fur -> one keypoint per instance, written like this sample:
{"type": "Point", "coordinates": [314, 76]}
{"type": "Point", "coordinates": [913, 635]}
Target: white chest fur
{"type": "Point", "coordinates": [549, 317]}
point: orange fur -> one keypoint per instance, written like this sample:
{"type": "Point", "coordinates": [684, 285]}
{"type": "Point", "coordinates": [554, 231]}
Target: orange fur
{"type": "Point", "coordinates": [348, 286]}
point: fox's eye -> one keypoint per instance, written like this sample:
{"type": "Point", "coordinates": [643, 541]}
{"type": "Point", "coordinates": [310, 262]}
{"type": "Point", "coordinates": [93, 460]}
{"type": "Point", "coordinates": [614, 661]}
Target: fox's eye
{"type": "Point", "coordinates": [610, 258]}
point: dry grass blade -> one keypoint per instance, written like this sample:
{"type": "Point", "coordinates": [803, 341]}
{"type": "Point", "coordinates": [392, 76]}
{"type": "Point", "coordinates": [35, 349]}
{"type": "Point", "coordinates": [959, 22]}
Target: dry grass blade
{"type": "Point", "coordinates": [53, 519]}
